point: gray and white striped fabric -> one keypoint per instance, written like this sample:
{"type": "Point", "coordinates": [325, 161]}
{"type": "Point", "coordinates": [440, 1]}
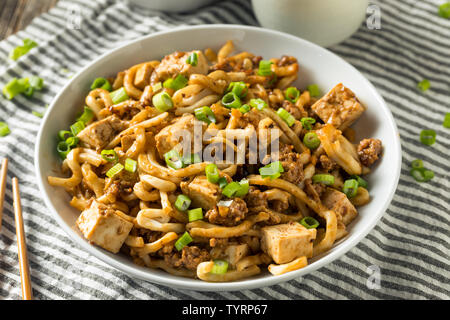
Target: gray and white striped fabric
{"type": "Point", "coordinates": [410, 245]}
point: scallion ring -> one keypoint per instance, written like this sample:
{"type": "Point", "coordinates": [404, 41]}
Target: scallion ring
{"type": "Point", "coordinates": [183, 241]}
{"type": "Point", "coordinates": [182, 203]}
{"type": "Point", "coordinates": [109, 155]}
{"type": "Point", "coordinates": [350, 188]}
{"type": "Point", "coordinates": [327, 179]}
{"type": "Point", "coordinates": [309, 223]}
{"type": "Point", "coordinates": [195, 214]}
{"type": "Point", "coordinates": [311, 140]}
{"type": "Point", "coordinates": [231, 100]}
{"type": "Point", "coordinates": [162, 101]}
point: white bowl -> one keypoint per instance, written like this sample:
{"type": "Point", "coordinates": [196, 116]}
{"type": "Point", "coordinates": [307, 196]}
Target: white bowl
{"type": "Point", "coordinates": [317, 65]}
{"type": "Point", "coordinates": [172, 5]}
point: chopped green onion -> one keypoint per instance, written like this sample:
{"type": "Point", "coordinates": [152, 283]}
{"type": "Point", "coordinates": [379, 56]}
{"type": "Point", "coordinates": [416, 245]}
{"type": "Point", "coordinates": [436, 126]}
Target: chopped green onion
{"type": "Point", "coordinates": [446, 122]}
{"type": "Point", "coordinates": [130, 165]}
{"type": "Point", "coordinates": [195, 214]}
{"type": "Point", "coordinates": [15, 87]}
{"type": "Point", "coordinates": [192, 59]}
{"type": "Point", "coordinates": [238, 88]}
{"type": "Point", "coordinates": [309, 223]}
{"type": "Point", "coordinates": [110, 155]}
{"type": "Point", "coordinates": [350, 188]}
{"type": "Point", "coordinates": [286, 116]}
{"type": "Point", "coordinates": [244, 108]}
{"type": "Point", "coordinates": [29, 91]}
{"type": "Point", "coordinates": [222, 182]}
{"type": "Point", "coordinates": [37, 114]}
{"type": "Point", "coordinates": [244, 188]}
{"type": "Point", "coordinates": [444, 10]}
{"type": "Point", "coordinates": [272, 170]}
{"type": "Point", "coordinates": [36, 82]}
{"type": "Point", "coordinates": [72, 142]}
{"type": "Point", "coordinates": [176, 84]}
{"type": "Point", "coordinates": [424, 85]}
{"type": "Point", "coordinates": [19, 51]}
{"type": "Point", "coordinates": [428, 137]}
{"type": "Point", "coordinates": [156, 87]}
{"type": "Point", "coordinates": [77, 127]}
{"type": "Point", "coordinates": [421, 174]}
{"type": "Point", "coordinates": [265, 68]}
{"type": "Point", "coordinates": [311, 140]}
{"type": "Point", "coordinates": [292, 94]}
{"type": "Point", "coordinates": [307, 122]}
{"type": "Point", "coordinates": [64, 135]}
{"type": "Point", "coordinates": [212, 173]}
{"type": "Point", "coordinates": [183, 202]}
{"type": "Point", "coordinates": [86, 116]}
{"type": "Point", "coordinates": [314, 90]}
{"type": "Point", "coordinates": [162, 101]}
{"type": "Point", "coordinates": [114, 170]}
{"type": "Point", "coordinates": [219, 267]}
{"type": "Point", "coordinates": [183, 241]}
{"type": "Point", "coordinates": [258, 104]}
{"type": "Point", "coordinates": [205, 114]}
{"type": "Point", "coordinates": [327, 179]}
{"type": "Point", "coordinates": [101, 83]}
{"type": "Point", "coordinates": [4, 129]}
{"type": "Point", "coordinates": [231, 100]}
{"type": "Point", "coordinates": [361, 182]}
{"type": "Point", "coordinates": [63, 149]}
{"type": "Point", "coordinates": [118, 96]}
{"type": "Point", "coordinates": [417, 164]}
{"type": "Point", "coordinates": [173, 159]}
{"type": "Point", "coordinates": [231, 189]}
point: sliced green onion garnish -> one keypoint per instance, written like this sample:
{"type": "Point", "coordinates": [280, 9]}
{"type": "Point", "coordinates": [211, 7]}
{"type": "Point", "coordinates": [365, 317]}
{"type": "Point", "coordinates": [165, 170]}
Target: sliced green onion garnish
{"type": "Point", "coordinates": [444, 10]}
{"type": "Point", "coordinates": [272, 170]}
{"type": "Point", "coordinates": [446, 122]}
{"type": "Point", "coordinates": [231, 100]}
{"type": "Point", "coordinates": [327, 179]}
{"type": "Point", "coordinates": [63, 135]}
{"type": "Point", "coordinates": [37, 114]}
{"type": "Point", "coordinates": [238, 88]}
{"type": "Point", "coordinates": [77, 127]}
{"type": "Point", "coordinates": [311, 140]}
{"type": "Point", "coordinates": [231, 189]}
{"type": "Point", "coordinates": [162, 101]}
{"type": "Point", "coordinates": [156, 87]}
{"type": "Point", "coordinates": [292, 94]}
{"type": "Point", "coordinates": [192, 59]}
{"type": "Point", "coordinates": [220, 267]}
{"type": "Point", "coordinates": [205, 114]}
{"type": "Point", "coordinates": [258, 104]}
{"type": "Point", "coordinates": [182, 203]}
{"type": "Point", "coordinates": [421, 174]}
{"type": "Point", "coordinates": [101, 83]}
{"type": "Point", "coordinates": [86, 116]}
{"type": "Point", "coordinates": [244, 108]}
{"type": "Point", "coordinates": [110, 155]}
{"type": "Point", "coordinates": [114, 170]}
{"type": "Point", "coordinates": [417, 164]}
{"type": "Point", "coordinates": [361, 182]}
{"type": "Point", "coordinates": [350, 188]}
{"type": "Point", "coordinates": [222, 182]}
{"type": "Point", "coordinates": [173, 159]}
{"type": "Point", "coordinates": [4, 129]}
{"type": "Point", "coordinates": [265, 68]}
{"type": "Point", "coordinates": [314, 90]}
{"type": "Point", "coordinates": [309, 223]}
{"type": "Point", "coordinates": [118, 96]}
{"type": "Point", "coordinates": [72, 142]}
{"type": "Point", "coordinates": [130, 165]}
{"type": "Point", "coordinates": [36, 82]}
{"type": "Point", "coordinates": [424, 85]}
{"type": "Point", "coordinates": [244, 188]}
{"type": "Point", "coordinates": [178, 83]}
{"type": "Point", "coordinates": [15, 87]}
{"type": "Point", "coordinates": [183, 241]}
{"type": "Point", "coordinates": [286, 116]}
{"type": "Point", "coordinates": [428, 137]}
{"type": "Point", "coordinates": [29, 91]}
{"type": "Point", "coordinates": [195, 214]}
{"type": "Point", "coordinates": [307, 122]}
{"type": "Point", "coordinates": [63, 149]}
{"type": "Point", "coordinates": [19, 51]}
{"type": "Point", "coordinates": [212, 173]}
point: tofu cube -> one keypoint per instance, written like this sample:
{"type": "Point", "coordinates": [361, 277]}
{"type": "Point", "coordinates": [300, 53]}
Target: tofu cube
{"type": "Point", "coordinates": [340, 204]}
{"type": "Point", "coordinates": [202, 192]}
{"type": "Point", "coordinates": [339, 107]}
{"type": "Point", "coordinates": [286, 242]}
{"type": "Point", "coordinates": [175, 63]}
{"type": "Point", "coordinates": [100, 133]}
{"type": "Point", "coordinates": [102, 226]}
{"type": "Point", "coordinates": [236, 252]}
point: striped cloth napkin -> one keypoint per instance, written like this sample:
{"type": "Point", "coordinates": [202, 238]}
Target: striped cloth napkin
{"type": "Point", "coordinates": [409, 247]}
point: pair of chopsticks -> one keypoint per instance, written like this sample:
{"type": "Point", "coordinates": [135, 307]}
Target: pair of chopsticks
{"type": "Point", "coordinates": [25, 279]}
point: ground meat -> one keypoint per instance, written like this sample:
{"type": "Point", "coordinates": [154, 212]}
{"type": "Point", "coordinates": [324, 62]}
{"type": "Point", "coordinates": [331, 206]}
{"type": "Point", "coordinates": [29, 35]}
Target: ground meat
{"type": "Point", "coordinates": [286, 60]}
{"type": "Point", "coordinates": [256, 60]}
{"type": "Point", "coordinates": [190, 257]}
{"type": "Point", "coordinates": [368, 151]}
{"type": "Point", "coordinates": [326, 163]}
{"type": "Point", "coordinates": [293, 110]}
{"type": "Point", "coordinates": [228, 216]}
{"type": "Point", "coordinates": [293, 168]}
{"type": "Point", "coordinates": [280, 206]}
{"type": "Point", "coordinates": [314, 190]}
{"type": "Point", "coordinates": [252, 242]}
{"type": "Point", "coordinates": [218, 242]}
{"type": "Point", "coordinates": [256, 200]}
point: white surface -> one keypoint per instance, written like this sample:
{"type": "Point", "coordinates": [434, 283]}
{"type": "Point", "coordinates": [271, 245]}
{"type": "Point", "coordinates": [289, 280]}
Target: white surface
{"type": "Point", "coordinates": [324, 22]}
{"type": "Point", "coordinates": [172, 5]}
{"type": "Point", "coordinates": [317, 65]}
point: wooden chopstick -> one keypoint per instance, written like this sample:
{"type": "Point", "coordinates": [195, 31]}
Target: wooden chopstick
{"type": "Point", "coordinates": [27, 293]}
{"type": "Point", "coordinates": [3, 186]}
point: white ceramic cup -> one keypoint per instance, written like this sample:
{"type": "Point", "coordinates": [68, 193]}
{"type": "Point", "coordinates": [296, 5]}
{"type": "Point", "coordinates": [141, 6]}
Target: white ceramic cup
{"type": "Point", "coordinates": [172, 5]}
{"type": "Point", "coordinates": [324, 22]}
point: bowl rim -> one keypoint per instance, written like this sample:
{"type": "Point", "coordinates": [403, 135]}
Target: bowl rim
{"type": "Point", "coordinates": [250, 283]}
